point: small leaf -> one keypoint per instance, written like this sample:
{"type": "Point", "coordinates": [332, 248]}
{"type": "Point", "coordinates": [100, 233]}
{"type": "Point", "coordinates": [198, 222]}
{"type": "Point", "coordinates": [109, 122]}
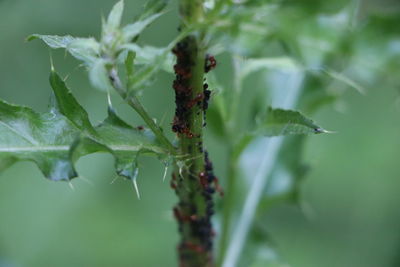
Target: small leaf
{"type": "Point", "coordinates": [67, 104]}
{"type": "Point", "coordinates": [53, 41]}
{"type": "Point", "coordinates": [130, 31]}
{"type": "Point", "coordinates": [129, 62]}
{"type": "Point", "coordinates": [114, 18]}
{"type": "Point", "coordinates": [288, 122]}
{"type": "Point", "coordinates": [84, 49]}
{"type": "Point", "coordinates": [149, 55]}
{"type": "Point", "coordinates": [98, 75]}
{"type": "Point", "coordinates": [153, 6]}
{"type": "Point", "coordinates": [129, 68]}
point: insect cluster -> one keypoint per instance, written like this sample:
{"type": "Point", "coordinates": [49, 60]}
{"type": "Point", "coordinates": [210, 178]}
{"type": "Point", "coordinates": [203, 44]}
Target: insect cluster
{"type": "Point", "coordinates": [196, 219]}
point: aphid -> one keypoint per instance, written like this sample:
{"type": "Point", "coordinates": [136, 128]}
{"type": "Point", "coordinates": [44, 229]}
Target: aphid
{"type": "Point", "coordinates": [203, 179]}
{"type": "Point", "coordinates": [207, 94]}
{"type": "Point", "coordinates": [173, 185]}
{"type": "Point", "coordinates": [210, 63]}
{"type": "Point", "coordinates": [193, 247]}
{"type": "Point", "coordinates": [218, 187]}
{"type": "Point", "coordinates": [195, 100]}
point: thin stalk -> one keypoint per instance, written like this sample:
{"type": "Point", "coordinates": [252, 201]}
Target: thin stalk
{"type": "Point", "coordinates": [251, 203]}
{"type": "Point", "coordinates": [231, 178]}
{"type": "Point", "coordinates": [272, 147]}
{"type": "Point", "coordinates": [134, 102]}
{"type": "Point", "coordinates": [228, 203]}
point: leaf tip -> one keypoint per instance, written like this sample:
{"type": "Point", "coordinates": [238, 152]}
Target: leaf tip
{"type": "Point", "coordinates": [322, 131]}
{"type": "Point", "coordinates": [136, 188]}
{"type": "Point", "coordinates": [31, 37]}
{"type": "Point", "coordinates": [52, 64]}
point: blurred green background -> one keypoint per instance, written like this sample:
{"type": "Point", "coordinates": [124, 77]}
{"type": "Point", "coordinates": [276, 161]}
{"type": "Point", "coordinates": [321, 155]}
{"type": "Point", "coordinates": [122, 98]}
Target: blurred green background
{"type": "Point", "coordinates": [353, 217]}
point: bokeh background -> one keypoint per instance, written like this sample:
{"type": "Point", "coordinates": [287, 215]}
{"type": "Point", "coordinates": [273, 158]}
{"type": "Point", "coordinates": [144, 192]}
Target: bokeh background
{"type": "Point", "coordinates": [351, 192]}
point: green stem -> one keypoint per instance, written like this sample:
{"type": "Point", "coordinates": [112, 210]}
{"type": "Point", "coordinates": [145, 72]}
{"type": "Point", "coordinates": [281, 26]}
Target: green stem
{"type": "Point", "coordinates": [193, 180]}
{"type": "Point", "coordinates": [195, 205]}
{"type": "Point", "coordinates": [134, 102]}
{"type": "Point", "coordinates": [228, 203]}
{"type": "Point", "coordinates": [231, 130]}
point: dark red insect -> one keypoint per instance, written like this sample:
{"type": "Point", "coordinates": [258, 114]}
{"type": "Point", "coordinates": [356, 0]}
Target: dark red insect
{"type": "Point", "coordinates": [210, 63]}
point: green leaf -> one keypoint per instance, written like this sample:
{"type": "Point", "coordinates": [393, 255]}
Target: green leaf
{"type": "Point", "coordinates": [98, 75]}
{"type": "Point", "coordinates": [129, 68]}
{"type": "Point", "coordinates": [114, 18]}
{"type": "Point", "coordinates": [114, 132]}
{"type": "Point", "coordinates": [130, 31]}
{"type": "Point", "coordinates": [149, 55]}
{"type": "Point", "coordinates": [53, 41]}
{"type": "Point", "coordinates": [41, 138]}
{"type": "Point", "coordinates": [279, 63]}
{"type": "Point", "coordinates": [143, 77]}
{"type": "Point", "coordinates": [288, 122]}
{"type": "Point", "coordinates": [84, 49]}
{"type": "Point", "coordinates": [153, 6]}
{"type": "Point", "coordinates": [55, 140]}
{"type": "Point", "coordinates": [67, 104]}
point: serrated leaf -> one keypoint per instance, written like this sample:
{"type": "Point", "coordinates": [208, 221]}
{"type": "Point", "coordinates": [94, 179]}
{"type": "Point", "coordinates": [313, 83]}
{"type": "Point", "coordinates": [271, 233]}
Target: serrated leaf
{"type": "Point", "coordinates": [55, 140]}
{"type": "Point", "coordinates": [41, 138]}
{"type": "Point", "coordinates": [130, 31]}
{"type": "Point", "coordinates": [288, 122]}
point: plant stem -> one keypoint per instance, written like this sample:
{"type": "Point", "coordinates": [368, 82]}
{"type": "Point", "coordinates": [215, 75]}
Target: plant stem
{"type": "Point", "coordinates": [272, 147]}
{"type": "Point", "coordinates": [134, 102]}
{"type": "Point", "coordinates": [231, 178]}
{"type": "Point", "coordinates": [193, 179]}
{"type": "Point", "coordinates": [251, 202]}
{"type": "Point", "coordinates": [228, 203]}
{"type": "Point", "coordinates": [195, 206]}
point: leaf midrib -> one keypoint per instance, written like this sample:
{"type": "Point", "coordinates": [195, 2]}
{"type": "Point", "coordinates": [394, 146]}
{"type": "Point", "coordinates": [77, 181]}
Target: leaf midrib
{"type": "Point", "coordinates": [63, 148]}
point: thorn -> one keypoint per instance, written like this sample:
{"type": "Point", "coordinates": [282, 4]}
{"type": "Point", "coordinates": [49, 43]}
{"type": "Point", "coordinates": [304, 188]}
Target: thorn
{"type": "Point", "coordinates": [165, 173]}
{"type": "Point", "coordinates": [71, 185]}
{"type": "Point", "coordinates": [51, 62]}
{"type": "Point", "coordinates": [136, 188]}
{"type": "Point", "coordinates": [115, 178]}
{"type": "Point", "coordinates": [86, 180]}
{"type": "Point", "coordinates": [321, 130]}
{"type": "Point", "coordinates": [66, 77]}
{"type": "Point", "coordinates": [109, 100]}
